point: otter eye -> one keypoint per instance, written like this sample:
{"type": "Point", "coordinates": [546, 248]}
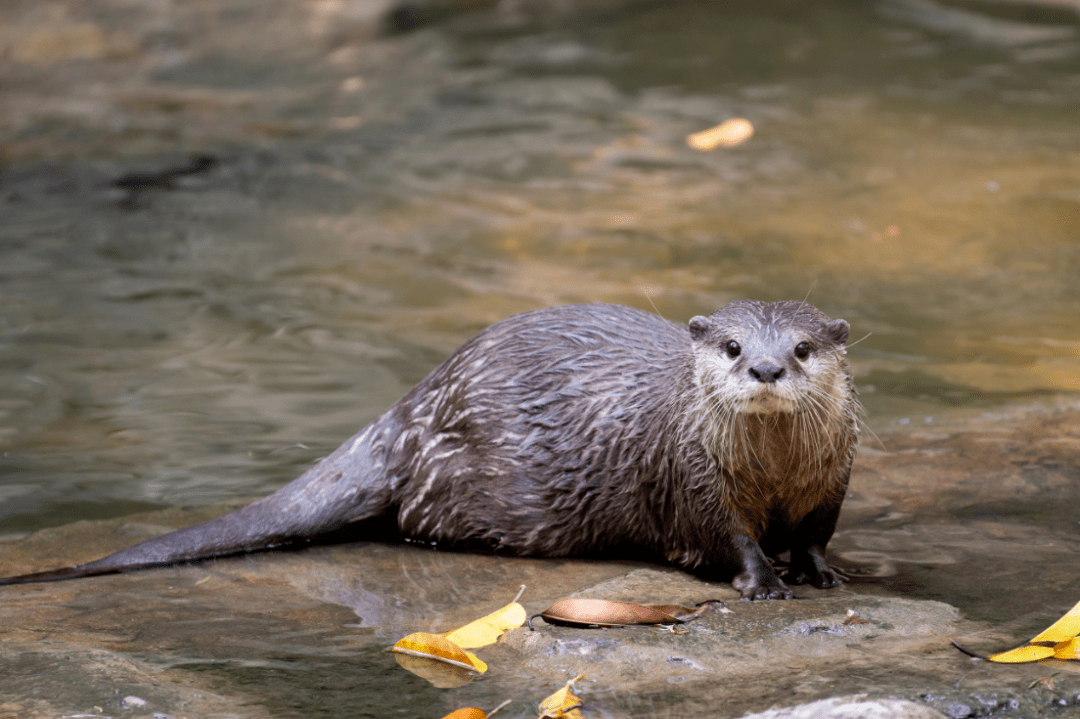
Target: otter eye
{"type": "Point", "coordinates": [802, 350]}
{"type": "Point", "coordinates": [733, 349]}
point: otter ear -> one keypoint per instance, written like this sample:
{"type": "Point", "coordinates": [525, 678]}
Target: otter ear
{"type": "Point", "coordinates": [699, 327]}
{"type": "Point", "coordinates": [837, 331]}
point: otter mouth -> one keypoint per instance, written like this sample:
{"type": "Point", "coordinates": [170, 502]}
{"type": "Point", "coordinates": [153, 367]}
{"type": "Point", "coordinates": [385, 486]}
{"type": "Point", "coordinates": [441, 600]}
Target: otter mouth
{"type": "Point", "coordinates": [766, 402]}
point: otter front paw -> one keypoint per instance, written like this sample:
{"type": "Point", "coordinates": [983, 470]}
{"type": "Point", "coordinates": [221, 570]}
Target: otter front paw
{"type": "Point", "coordinates": [754, 588]}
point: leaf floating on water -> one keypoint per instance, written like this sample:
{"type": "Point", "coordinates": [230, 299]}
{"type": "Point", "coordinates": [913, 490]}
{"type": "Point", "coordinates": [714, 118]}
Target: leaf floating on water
{"type": "Point", "coordinates": [608, 613]}
{"type": "Point", "coordinates": [562, 703]}
{"type": "Point", "coordinates": [430, 655]}
{"type": "Point", "coordinates": [728, 133]}
{"type": "Point", "coordinates": [486, 630]}
{"type": "Point", "coordinates": [1058, 642]}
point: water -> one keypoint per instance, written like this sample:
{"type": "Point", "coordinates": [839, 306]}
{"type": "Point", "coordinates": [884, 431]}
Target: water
{"type": "Point", "coordinates": [185, 333]}
{"type": "Point", "coordinates": [230, 236]}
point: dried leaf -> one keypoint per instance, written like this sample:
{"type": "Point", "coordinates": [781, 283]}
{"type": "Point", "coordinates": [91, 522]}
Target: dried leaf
{"type": "Point", "coordinates": [607, 613]}
{"type": "Point", "coordinates": [433, 646]}
{"type": "Point", "coordinates": [852, 617]}
{"type": "Point", "coordinates": [1022, 654]}
{"type": "Point", "coordinates": [562, 703]}
{"type": "Point", "coordinates": [727, 134]}
{"type": "Point", "coordinates": [1063, 629]}
{"type": "Point", "coordinates": [486, 630]}
{"type": "Point", "coordinates": [1068, 650]}
{"type": "Point", "coordinates": [1046, 683]}
{"type": "Point", "coordinates": [1059, 641]}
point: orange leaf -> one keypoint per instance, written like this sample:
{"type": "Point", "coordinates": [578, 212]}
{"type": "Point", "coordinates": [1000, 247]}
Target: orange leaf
{"type": "Point", "coordinates": [467, 713]}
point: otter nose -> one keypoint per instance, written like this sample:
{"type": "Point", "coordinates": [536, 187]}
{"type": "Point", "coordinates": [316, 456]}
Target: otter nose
{"type": "Point", "coordinates": [767, 372]}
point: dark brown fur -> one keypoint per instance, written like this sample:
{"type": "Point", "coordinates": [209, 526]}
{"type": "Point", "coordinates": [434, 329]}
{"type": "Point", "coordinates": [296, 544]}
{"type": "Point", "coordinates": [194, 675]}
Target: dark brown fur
{"type": "Point", "coordinates": [590, 430]}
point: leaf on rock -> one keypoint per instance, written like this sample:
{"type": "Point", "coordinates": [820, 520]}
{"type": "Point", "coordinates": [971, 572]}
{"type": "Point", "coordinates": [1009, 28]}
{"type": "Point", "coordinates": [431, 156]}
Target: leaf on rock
{"type": "Point", "coordinates": [1022, 654]}
{"type": "Point", "coordinates": [486, 630]}
{"type": "Point", "coordinates": [607, 613]}
{"type": "Point", "coordinates": [562, 704]}
{"type": "Point", "coordinates": [1068, 650]}
{"type": "Point", "coordinates": [1058, 642]}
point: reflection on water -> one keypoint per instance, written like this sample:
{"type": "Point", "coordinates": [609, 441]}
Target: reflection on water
{"type": "Point", "coordinates": [229, 239]}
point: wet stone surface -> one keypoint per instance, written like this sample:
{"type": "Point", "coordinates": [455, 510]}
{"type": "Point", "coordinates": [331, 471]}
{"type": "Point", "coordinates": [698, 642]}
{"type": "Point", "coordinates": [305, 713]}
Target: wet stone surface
{"type": "Point", "coordinates": [232, 233]}
{"type": "Point", "coordinates": [292, 633]}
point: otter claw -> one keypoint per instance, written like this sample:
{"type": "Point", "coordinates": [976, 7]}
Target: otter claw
{"type": "Point", "coordinates": [762, 592]}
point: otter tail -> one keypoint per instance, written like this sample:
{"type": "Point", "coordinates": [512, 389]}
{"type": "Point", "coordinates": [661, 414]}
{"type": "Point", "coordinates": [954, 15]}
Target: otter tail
{"type": "Point", "coordinates": [345, 488]}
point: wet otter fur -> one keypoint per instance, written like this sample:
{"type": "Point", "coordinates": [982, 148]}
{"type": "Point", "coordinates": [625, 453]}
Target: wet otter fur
{"type": "Point", "coordinates": [590, 430]}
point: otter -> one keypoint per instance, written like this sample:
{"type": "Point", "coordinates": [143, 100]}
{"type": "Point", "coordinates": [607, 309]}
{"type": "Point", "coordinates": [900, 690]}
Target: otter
{"type": "Point", "coordinates": [589, 430]}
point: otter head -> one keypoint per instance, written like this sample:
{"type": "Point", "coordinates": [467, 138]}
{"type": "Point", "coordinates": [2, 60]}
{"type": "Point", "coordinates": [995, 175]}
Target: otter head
{"type": "Point", "coordinates": [761, 358]}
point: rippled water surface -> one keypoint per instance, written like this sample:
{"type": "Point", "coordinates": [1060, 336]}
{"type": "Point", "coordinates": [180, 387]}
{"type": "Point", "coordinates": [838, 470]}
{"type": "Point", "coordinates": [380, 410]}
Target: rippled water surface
{"type": "Point", "coordinates": [232, 236]}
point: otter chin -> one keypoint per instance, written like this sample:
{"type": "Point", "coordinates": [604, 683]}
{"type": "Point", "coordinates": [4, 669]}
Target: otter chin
{"type": "Point", "coordinates": [588, 430]}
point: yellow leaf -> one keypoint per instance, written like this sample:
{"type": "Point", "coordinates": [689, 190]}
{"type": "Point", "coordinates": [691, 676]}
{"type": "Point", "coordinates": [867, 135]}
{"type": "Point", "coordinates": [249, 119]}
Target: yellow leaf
{"type": "Point", "coordinates": [433, 646]}
{"type": "Point", "coordinates": [486, 630]}
{"type": "Point", "coordinates": [562, 703]}
{"type": "Point", "coordinates": [1063, 629]}
{"type": "Point", "coordinates": [1062, 633]}
{"type": "Point", "coordinates": [1068, 650]}
{"type": "Point", "coordinates": [1022, 654]}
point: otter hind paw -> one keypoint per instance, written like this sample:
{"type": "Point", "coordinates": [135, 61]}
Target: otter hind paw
{"type": "Point", "coordinates": [824, 579]}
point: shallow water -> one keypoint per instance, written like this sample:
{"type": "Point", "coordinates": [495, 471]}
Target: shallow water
{"type": "Point", "coordinates": [230, 236]}
{"type": "Point", "coordinates": [178, 331]}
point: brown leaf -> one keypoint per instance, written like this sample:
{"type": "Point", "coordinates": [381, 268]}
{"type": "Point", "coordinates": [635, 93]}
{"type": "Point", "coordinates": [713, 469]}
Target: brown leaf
{"type": "Point", "coordinates": [607, 613]}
